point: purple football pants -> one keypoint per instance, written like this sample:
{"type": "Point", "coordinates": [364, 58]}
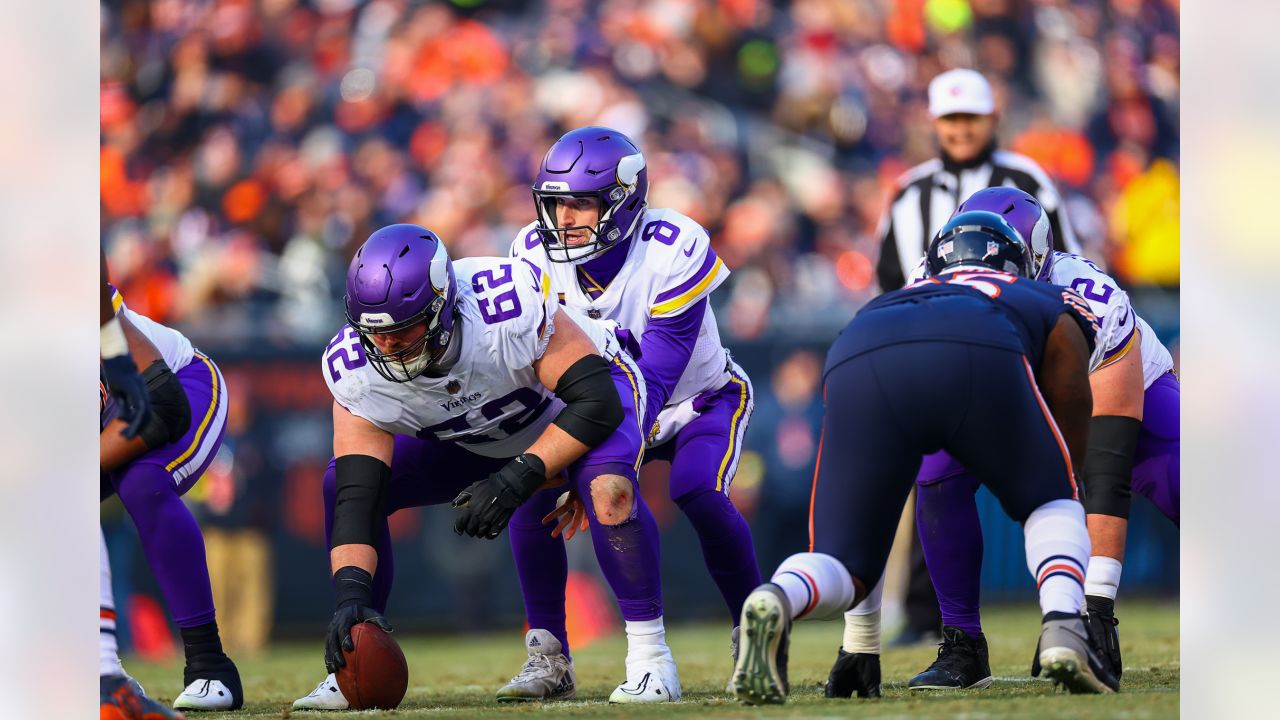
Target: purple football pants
{"type": "Point", "coordinates": [151, 489]}
{"type": "Point", "coordinates": [947, 509]}
{"type": "Point", "coordinates": [426, 471]}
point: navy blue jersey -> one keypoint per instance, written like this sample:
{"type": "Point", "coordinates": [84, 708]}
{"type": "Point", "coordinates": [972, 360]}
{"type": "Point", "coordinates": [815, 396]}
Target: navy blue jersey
{"type": "Point", "coordinates": [973, 307]}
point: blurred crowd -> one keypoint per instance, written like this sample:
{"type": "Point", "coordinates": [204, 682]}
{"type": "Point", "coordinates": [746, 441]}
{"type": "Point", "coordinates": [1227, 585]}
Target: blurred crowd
{"type": "Point", "coordinates": [248, 146]}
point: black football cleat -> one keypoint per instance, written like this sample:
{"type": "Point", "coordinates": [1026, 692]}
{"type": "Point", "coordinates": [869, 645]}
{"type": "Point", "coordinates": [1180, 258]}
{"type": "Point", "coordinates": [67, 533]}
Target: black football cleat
{"type": "Point", "coordinates": [1102, 623]}
{"type": "Point", "coordinates": [1066, 655]}
{"type": "Point", "coordinates": [760, 676]}
{"type": "Point", "coordinates": [962, 664]}
{"type": "Point", "coordinates": [854, 673]}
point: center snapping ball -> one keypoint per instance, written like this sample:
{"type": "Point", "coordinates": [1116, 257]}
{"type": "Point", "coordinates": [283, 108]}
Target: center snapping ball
{"type": "Point", "coordinates": [376, 675]}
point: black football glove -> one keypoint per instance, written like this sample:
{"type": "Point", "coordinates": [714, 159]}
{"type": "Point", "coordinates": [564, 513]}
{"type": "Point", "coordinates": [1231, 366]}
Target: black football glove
{"type": "Point", "coordinates": [130, 391]}
{"type": "Point", "coordinates": [486, 506]}
{"type": "Point", "coordinates": [355, 596]}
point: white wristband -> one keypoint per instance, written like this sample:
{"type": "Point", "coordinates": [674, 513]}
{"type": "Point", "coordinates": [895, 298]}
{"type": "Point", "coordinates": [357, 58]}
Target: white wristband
{"type": "Point", "coordinates": [112, 340]}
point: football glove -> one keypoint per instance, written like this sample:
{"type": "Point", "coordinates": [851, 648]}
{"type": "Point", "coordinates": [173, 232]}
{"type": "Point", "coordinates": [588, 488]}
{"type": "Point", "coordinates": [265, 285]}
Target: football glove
{"type": "Point", "coordinates": [130, 391]}
{"type": "Point", "coordinates": [355, 596]}
{"type": "Point", "coordinates": [486, 506]}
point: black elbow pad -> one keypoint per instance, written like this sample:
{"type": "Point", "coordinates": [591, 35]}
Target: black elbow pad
{"type": "Point", "coordinates": [1108, 465]}
{"type": "Point", "coordinates": [592, 408]}
{"type": "Point", "coordinates": [360, 500]}
{"type": "Point", "coordinates": [170, 412]}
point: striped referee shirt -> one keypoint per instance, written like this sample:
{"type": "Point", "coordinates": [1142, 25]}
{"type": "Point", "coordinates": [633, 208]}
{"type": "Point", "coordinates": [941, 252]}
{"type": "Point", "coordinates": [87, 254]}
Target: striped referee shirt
{"type": "Point", "coordinates": [929, 193]}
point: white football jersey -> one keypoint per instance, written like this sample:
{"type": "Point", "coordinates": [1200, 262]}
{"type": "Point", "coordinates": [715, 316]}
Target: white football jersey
{"type": "Point", "coordinates": [491, 399]}
{"type": "Point", "coordinates": [174, 347]}
{"type": "Point", "coordinates": [1105, 298]}
{"type": "Point", "coordinates": [670, 266]}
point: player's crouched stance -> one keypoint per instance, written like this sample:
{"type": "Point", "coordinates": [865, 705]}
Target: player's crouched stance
{"type": "Point", "coordinates": [150, 472]}
{"type": "Point", "coordinates": [973, 360]}
{"type": "Point", "coordinates": [466, 382]}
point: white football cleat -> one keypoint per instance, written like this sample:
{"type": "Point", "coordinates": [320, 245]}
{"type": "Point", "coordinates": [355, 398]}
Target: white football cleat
{"type": "Point", "coordinates": [205, 695]}
{"type": "Point", "coordinates": [652, 677]}
{"type": "Point", "coordinates": [326, 696]}
{"type": "Point", "coordinates": [546, 675]}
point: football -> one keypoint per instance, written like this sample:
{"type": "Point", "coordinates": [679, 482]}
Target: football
{"type": "Point", "coordinates": [376, 676]}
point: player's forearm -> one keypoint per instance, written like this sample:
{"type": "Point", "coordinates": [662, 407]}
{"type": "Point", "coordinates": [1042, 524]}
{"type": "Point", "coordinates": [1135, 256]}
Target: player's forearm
{"type": "Point", "coordinates": [557, 450]}
{"type": "Point", "coordinates": [140, 348]}
{"type": "Point", "coordinates": [364, 557]}
{"type": "Point", "coordinates": [665, 349]}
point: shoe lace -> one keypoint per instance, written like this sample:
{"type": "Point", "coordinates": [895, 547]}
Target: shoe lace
{"type": "Point", "coordinates": [537, 664]}
{"type": "Point", "coordinates": [948, 656]}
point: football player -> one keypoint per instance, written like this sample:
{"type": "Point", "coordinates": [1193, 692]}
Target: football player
{"type": "Point", "coordinates": [467, 382]}
{"type": "Point", "coordinates": [121, 698]}
{"type": "Point", "coordinates": [151, 469]}
{"type": "Point", "coordinates": [974, 360]}
{"type": "Point", "coordinates": [652, 270]}
{"type": "Point", "coordinates": [1133, 442]}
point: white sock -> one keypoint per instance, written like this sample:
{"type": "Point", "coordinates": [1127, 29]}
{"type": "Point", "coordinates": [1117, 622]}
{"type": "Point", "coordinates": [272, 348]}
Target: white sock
{"type": "Point", "coordinates": [1057, 554]}
{"type": "Point", "coordinates": [108, 651]}
{"type": "Point", "coordinates": [818, 586]}
{"type": "Point", "coordinates": [646, 633]}
{"type": "Point", "coordinates": [1103, 576]}
{"type": "Point", "coordinates": [862, 623]}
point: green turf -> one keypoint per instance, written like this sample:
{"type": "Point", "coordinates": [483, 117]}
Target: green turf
{"type": "Point", "coordinates": [456, 676]}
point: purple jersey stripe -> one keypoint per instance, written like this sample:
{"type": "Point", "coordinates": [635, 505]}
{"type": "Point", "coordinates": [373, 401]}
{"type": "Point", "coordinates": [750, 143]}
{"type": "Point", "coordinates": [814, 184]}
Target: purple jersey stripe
{"type": "Point", "coordinates": [707, 264]}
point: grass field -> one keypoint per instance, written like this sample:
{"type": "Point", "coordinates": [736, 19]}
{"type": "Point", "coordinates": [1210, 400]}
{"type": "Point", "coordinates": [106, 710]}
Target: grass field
{"type": "Point", "coordinates": [456, 676]}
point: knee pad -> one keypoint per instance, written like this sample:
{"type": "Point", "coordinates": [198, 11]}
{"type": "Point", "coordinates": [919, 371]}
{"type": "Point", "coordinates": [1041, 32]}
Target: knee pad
{"type": "Point", "coordinates": [170, 412]}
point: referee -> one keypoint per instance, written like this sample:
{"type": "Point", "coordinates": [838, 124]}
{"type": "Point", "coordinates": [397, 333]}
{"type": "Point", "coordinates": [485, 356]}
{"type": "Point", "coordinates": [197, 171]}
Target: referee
{"type": "Point", "coordinates": [964, 119]}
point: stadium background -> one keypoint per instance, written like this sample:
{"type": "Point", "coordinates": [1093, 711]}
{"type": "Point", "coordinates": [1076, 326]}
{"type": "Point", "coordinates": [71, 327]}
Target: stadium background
{"type": "Point", "coordinates": [249, 146]}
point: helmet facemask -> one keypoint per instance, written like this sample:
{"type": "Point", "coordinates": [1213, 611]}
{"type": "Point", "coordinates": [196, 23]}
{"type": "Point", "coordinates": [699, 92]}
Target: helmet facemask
{"type": "Point", "coordinates": [414, 359]}
{"type": "Point", "coordinates": [612, 200]}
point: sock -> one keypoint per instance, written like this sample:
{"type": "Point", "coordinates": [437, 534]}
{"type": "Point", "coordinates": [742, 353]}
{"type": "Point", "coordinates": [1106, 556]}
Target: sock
{"type": "Point", "coordinates": [726, 546]}
{"type": "Point", "coordinates": [171, 540]}
{"type": "Point", "coordinates": [542, 566]}
{"type": "Point", "coordinates": [642, 633]}
{"type": "Point", "coordinates": [1058, 547]}
{"type": "Point", "coordinates": [862, 623]}
{"type": "Point", "coordinates": [201, 640]}
{"type": "Point", "coordinates": [951, 538]}
{"type": "Point", "coordinates": [108, 652]}
{"type": "Point", "coordinates": [1103, 577]}
{"type": "Point", "coordinates": [818, 586]}
{"type": "Point", "coordinates": [628, 558]}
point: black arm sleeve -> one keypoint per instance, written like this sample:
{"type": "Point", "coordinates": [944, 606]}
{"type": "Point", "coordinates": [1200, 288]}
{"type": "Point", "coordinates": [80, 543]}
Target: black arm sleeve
{"type": "Point", "coordinates": [170, 411]}
{"type": "Point", "coordinates": [360, 500]}
{"type": "Point", "coordinates": [1108, 465]}
{"type": "Point", "coordinates": [592, 407]}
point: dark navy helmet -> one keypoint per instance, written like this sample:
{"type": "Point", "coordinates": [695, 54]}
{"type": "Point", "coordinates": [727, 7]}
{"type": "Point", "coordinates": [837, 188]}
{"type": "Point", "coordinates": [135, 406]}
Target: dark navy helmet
{"type": "Point", "coordinates": [401, 277]}
{"type": "Point", "coordinates": [1026, 215]}
{"type": "Point", "coordinates": [978, 239]}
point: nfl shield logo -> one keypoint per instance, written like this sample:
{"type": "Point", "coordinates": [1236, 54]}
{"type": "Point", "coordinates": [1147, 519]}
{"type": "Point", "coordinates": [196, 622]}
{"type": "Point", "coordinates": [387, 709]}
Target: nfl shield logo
{"type": "Point", "coordinates": [593, 313]}
{"type": "Point", "coordinates": [453, 386]}
{"type": "Point", "coordinates": [993, 248]}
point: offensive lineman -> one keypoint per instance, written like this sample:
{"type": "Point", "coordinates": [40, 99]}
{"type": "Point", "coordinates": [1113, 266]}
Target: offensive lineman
{"type": "Point", "coordinates": [1133, 442]}
{"type": "Point", "coordinates": [466, 382]}
{"type": "Point", "coordinates": [652, 270]}
{"type": "Point", "coordinates": [974, 360]}
{"type": "Point", "coordinates": [151, 471]}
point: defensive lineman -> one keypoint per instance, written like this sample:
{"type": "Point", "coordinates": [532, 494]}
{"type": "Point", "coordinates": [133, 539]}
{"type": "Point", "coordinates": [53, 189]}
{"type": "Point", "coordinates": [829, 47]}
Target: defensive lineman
{"type": "Point", "coordinates": [1133, 442]}
{"type": "Point", "coordinates": [652, 270]}
{"type": "Point", "coordinates": [974, 360]}
{"type": "Point", "coordinates": [467, 382]}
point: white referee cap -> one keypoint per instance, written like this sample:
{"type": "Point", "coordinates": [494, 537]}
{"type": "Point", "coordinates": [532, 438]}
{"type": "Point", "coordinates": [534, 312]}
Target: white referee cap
{"type": "Point", "coordinates": [960, 91]}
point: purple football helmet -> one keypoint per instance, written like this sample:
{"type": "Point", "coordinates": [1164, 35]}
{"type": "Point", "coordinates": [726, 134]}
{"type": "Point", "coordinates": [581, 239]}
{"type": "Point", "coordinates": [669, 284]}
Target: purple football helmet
{"type": "Point", "coordinates": [400, 277]}
{"type": "Point", "coordinates": [593, 162]}
{"type": "Point", "coordinates": [1025, 214]}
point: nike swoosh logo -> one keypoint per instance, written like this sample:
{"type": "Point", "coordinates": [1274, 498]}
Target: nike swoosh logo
{"type": "Point", "coordinates": [640, 686]}
{"type": "Point", "coordinates": [689, 252]}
